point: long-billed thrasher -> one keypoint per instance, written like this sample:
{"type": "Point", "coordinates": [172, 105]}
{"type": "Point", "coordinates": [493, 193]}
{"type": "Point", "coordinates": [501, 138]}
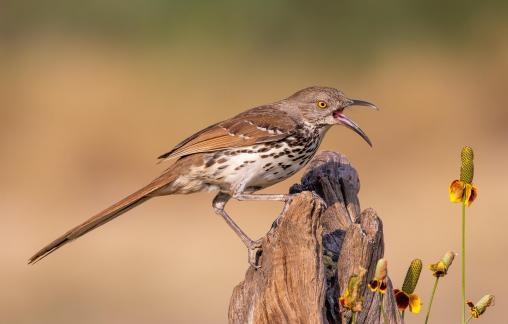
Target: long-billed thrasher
{"type": "Point", "coordinates": [239, 156]}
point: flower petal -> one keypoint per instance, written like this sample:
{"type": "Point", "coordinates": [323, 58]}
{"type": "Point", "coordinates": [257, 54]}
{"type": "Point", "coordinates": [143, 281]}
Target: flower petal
{"type": "Point", "coordinates": [374, 284]}
{"type": "Point", "coordinates": [439, 269]}
{"type": "Point", "coordinates": [471, 194]}
{"type": "Point", "coordinates": [456, 191]}
{"type": "Point", "coordinates": [382, 287]}
{"type": "Point", "coordinates": [402, 299]}
{"type": "Point", "coordinates": [415, 303]}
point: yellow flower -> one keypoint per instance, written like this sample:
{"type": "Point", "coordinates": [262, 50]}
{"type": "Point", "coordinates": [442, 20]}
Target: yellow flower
{"type": "Point", "coordinates": [404, 300]}
{"type": "Point", "coordinates": [351, 298]}
{"type": "Point", "coordinates": [406, 297]}
{"type": "Point", "coordinates": [464, 190]}
{"type": "Point", "coordinates": [378, 283]}
{"type": "Point", "coordinates": [481, 306]}
{"type": "Point", "coordinates": [440, 269]}
{"type": "Point", "coordinates": [461, 191]}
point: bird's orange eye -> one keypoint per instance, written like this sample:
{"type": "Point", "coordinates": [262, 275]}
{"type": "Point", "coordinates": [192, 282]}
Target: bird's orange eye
{"type": "Point", "coordinates": [322, 104]}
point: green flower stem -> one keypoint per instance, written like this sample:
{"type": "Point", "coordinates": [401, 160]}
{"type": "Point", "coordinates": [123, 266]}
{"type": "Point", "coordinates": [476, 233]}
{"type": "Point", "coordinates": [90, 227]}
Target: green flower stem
{"type": "Point", "coordinates": [469, 319]}
{"type": "Point", "coordinates": [402, 314]}
{"type": "Point", "coordinates": [353, 319]}
{"type": "Point", "coordinates": [431, 300]}
{"type": "Point", "coordinates": [463, 262]}
{"type": "Point", "coordinates": [381, 308]}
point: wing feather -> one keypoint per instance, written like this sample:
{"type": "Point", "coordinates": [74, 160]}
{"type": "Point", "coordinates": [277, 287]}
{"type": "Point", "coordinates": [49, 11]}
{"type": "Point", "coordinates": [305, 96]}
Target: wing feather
{"type": "Point", "coordinates": [258, 125]}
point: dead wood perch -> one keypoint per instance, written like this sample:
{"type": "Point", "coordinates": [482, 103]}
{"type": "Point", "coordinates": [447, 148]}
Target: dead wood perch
{"type": "Point", "coordinates": [308, 257]}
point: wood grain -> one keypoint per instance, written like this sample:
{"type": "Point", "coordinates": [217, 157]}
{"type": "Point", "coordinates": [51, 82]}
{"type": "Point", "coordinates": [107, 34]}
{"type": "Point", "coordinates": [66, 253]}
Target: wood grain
{"type": "Point", "coordinates": [311, 251]}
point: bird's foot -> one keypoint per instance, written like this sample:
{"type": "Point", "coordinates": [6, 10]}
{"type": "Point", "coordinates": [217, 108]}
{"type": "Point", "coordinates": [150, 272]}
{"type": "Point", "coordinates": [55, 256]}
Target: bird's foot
{"type": "Point", "coordinates": [255, 249]}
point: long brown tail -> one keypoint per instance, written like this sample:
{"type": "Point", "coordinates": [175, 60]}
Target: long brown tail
{"type": "Point", "coordinates": [102, 218]}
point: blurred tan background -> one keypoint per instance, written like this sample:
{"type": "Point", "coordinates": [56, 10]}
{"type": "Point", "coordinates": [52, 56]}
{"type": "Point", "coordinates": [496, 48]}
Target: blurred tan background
{"type": "Point", "coordinates": [91, 92]}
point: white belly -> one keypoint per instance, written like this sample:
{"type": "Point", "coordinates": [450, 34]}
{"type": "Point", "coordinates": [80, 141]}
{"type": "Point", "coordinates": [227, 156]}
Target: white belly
{"type": "Point", "coordinates": [247, 170]}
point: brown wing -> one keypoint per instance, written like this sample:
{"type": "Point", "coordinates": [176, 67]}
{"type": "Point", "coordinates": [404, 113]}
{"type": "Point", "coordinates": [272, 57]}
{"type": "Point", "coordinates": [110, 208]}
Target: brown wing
{"type": "Point", "coordinates": [258, 125]}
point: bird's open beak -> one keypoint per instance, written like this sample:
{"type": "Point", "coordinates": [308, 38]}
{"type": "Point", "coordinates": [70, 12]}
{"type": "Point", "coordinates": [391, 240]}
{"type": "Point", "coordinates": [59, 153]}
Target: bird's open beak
{"type": "Point", "coordinates": [356, 102]}
{"type": "Point", "coordinates": [346, 121]}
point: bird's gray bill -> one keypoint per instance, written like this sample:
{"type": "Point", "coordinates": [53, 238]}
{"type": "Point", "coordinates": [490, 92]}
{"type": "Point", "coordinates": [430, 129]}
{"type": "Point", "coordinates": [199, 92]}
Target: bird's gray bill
{"type": "Point", "coordinates": [344, 120]}
{"type": "Point", "coordinates": [356, 102]}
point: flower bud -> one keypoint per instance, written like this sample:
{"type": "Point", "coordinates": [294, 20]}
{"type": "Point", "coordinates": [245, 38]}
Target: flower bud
{"type": "Point", "coordinates": [440, 268]}
{"type": "Point", "coordinates": [481, 306]}
{"type": "Point", "coordinates": [351, 298]}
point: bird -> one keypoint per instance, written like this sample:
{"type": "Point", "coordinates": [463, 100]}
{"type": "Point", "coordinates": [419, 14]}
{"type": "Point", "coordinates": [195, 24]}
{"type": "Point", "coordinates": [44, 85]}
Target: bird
{"type": "Point", "coordinates": [238, 157]}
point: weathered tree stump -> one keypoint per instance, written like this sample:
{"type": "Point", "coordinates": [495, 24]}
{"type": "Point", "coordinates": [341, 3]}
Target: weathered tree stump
{"type": "Point", "coordinates": [312, 250]}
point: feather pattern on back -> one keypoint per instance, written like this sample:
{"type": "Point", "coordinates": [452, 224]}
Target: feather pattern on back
{"type": "Point", "coordinates": [258, 125]}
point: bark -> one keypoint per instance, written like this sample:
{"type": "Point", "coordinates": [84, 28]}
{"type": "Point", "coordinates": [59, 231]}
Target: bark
{"type": "Point", "coordinates": [319, 241]}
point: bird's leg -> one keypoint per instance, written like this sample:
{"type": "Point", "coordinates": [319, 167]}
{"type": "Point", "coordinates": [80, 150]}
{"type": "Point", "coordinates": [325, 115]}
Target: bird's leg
{"type": "Point", "coordinates": [253, 247]}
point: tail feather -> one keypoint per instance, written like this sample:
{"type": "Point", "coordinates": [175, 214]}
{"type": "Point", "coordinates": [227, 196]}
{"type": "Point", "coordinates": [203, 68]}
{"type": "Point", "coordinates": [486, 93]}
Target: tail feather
{"type": "Point", "coordinates": [101, 218]}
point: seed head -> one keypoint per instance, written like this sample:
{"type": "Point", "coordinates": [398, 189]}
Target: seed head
{"type": "Point", "coordinates": [381, 269]}
{"type": "Point", "coordinates": [412, 276]}
{"type": "Point", "coordinates": [467, 166]}
{"type": "Point", "coordinates": [448, 258]}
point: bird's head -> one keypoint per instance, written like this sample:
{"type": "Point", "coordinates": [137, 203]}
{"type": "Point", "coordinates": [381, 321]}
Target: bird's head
{"type": "Point", "coordinates": [325, 106]}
